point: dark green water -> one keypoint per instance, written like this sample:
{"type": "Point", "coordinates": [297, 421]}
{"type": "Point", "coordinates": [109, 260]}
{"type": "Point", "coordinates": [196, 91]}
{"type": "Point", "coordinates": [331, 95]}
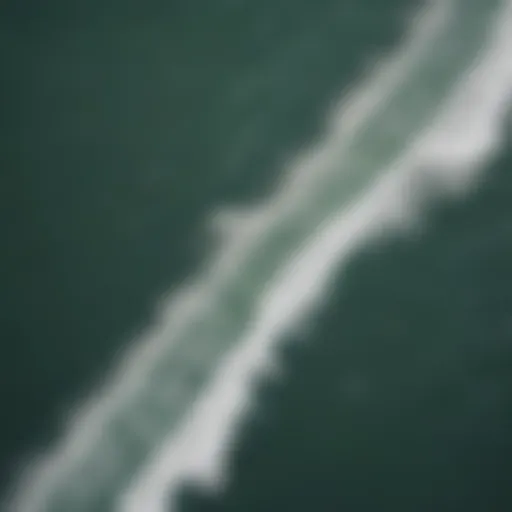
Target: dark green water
{"type": "Point", "coordinates": [123, 124]}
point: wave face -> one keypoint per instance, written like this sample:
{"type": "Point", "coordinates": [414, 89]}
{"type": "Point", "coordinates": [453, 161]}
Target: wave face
{"type": "Point", "coordinates": [434, 109]}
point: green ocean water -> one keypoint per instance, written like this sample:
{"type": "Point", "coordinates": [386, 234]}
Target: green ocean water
{"type": "Point", "coordinates": [124, 125]}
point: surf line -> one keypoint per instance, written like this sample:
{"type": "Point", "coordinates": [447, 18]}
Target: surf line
{"type": "Point", "coordinates": [94, 458]}
{"type": "Point", "coordinates": [453, 150]}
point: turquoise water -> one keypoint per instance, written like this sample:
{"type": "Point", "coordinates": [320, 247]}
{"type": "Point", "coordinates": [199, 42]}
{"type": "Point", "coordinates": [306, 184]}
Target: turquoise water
{"type": "Point", "coordinates": [127, 125]}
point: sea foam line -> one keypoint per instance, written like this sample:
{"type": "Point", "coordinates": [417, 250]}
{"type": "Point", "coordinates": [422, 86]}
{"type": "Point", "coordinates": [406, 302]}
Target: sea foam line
{"type": "Point", "coordinates": [453, 149]}
{"type": "Point", "coordinates": [91, 453]}
{"type": "Point", "coordinates": [85, 428]}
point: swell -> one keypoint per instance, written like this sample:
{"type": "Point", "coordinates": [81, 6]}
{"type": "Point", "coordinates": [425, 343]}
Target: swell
{"type": "Point", "coordinates": [266, 276]}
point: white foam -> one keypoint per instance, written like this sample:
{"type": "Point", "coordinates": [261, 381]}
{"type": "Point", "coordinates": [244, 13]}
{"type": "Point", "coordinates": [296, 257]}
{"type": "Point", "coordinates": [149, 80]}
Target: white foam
{"type": "Point", "coordinates": [472, 126]}
{"type": "Point", "coordinates": [465, 135]}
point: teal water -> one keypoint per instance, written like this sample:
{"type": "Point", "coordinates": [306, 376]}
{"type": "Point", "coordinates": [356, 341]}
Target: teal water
{"type": "Point", "coordinates": [115, 113]}
{"type": "Point", "coordinates": [125, 126]}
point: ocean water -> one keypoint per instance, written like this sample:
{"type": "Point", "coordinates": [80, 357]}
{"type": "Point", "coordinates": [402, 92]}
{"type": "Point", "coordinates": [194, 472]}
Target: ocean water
{"type": "Point", "coordinates": [256, 256]}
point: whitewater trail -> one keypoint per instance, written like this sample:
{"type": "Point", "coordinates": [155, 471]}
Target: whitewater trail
{"type": "Point", "coordinates": [171, 410]}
